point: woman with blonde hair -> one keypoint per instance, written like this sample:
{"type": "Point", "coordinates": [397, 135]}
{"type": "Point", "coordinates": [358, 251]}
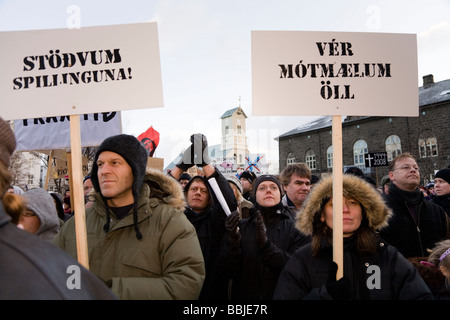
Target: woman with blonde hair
{"type": "Point", "coordinates": [373, 270]}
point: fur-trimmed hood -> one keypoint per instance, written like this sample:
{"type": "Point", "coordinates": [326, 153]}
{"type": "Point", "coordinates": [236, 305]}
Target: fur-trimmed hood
{"type": "Point", "coordinates": [376, 210]}
{"type": "Point", "coordinates": [164, 188]}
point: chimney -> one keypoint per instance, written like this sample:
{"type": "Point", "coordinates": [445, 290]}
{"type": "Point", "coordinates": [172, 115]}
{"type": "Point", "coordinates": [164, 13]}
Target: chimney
{"type": "Point", "coordinates": [428, 81]}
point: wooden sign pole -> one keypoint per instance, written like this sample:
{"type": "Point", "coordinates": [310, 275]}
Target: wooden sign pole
{"type": "Point", "coordinates": [49, 168]}
{"type": "Point", "coordinates": [77, 191]}
{"type": "Point", "coordinates": [338, 241]}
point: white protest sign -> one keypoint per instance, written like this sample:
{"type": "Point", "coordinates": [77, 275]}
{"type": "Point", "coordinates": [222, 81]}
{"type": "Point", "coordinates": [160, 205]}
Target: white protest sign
{"type": "Point", "coordinates": [52, 133]}
{"type": "Point", "coordinates": [334, 73]}
{"type": "Point", "coordinates": [59, 72]}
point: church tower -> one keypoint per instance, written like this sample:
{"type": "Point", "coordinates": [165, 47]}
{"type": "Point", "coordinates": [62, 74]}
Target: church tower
{"type": "Point", "coordinates": [234, 136]}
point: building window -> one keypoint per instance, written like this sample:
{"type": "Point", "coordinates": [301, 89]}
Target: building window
{"type": "Point", "coordinates": [30, 179]}
{"type": "Point", "coordinates": [432, 147]}
{"type": "Point", "coordinates": [422, 149]}
{"type": "Point", "coordinates": [290, 158]}
{"type": "Point", "coordinates": [393, 147]}
{"type": "Point", "coordinates": [359, 149]}
{"type": "Point", "coordinates": [239, 129]}
{"type": "Point", "coordinates": [227, 130]}
{"type": "Point", "coordinates": [428, 148]}
{"type": "Point", "coordinates": [330, 157]}
{"type": "Point", "coordinates": [311, 159]}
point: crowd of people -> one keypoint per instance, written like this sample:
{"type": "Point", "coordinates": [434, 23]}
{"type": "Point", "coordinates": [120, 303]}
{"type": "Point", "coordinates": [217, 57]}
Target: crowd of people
{"type": "Point", "coordinates": [215, 236]}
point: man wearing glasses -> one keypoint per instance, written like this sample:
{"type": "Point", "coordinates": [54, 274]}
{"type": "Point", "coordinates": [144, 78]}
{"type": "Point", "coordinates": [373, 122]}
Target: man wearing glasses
{"type": "Point", "coordinates": [417, 224]}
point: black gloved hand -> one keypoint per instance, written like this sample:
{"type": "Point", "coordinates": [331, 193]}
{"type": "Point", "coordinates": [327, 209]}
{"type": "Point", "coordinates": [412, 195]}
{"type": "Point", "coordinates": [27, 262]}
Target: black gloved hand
{"type": "Point", "coordinates": [200, 149]}
{"type": "Point", "coordinates": [187, 159]}
{"type": "Point", "coordinates": [261, 230]}
{"type": "Point", "coordinates": [231, 227]}
{"type": "Point", "coordinates": [338, 290]}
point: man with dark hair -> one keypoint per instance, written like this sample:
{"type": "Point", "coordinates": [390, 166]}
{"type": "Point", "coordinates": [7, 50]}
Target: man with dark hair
{"type": "Point", "coordinates": [140, 242]}
{"type": "Point", "coordinates": [247, 178]}
{"type": "Point", "coordinates": [417, 224]}
{"type": "Point", "coordinates": [205, 211]}
{"type": "Point", "coordinates": [296, 181]}
{"type": "Point", "coordinates": [184, 179]}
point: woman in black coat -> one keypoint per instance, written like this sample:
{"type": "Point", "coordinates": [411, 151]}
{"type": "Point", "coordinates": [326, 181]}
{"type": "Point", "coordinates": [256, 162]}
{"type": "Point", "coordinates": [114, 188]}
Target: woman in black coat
{"type": "Point", "coordinates": [372, 269]}
{"type": "Point", "coordinates": [256, 249]}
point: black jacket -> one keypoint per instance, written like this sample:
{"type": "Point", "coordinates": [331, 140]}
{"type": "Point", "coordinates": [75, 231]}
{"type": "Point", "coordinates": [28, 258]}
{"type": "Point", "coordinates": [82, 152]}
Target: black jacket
{"type": "Point", "coordinates": [254, 272]}
{"type": "Point", "coordinates": [443, 202]}
{"type": "Point", "coordinates": [32, 268]}
{"type": "Point", "coordinates": [210, 228]}
{"type": "Point", "coordinates": [412, 239]}
{"type": "Point", "coordinates": [305, 275]}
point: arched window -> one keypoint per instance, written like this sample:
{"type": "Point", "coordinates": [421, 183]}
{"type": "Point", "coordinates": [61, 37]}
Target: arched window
{"type": "Point", "coordinates": [330, 157]}
{"type": "Point", "coordinates": [311, 159]}
{"type": "Point", "coordinates": [422, 149]}
{"type": "Point", "coordinates": [359, 149]}
{"type": "Point", "coordinates": [290, 158]}
{"type": "Point", "coordinates": [428, 147]}
{"type": "Point", "coordinates": [432, 149]}
{"type": "Point", "coordinates": [393, 147]}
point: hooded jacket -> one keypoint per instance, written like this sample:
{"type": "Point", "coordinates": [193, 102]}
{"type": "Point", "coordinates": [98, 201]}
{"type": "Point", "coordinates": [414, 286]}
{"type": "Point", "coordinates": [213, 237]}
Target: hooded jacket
{"type": "Point", "coordinates": [166, 263]}
{"type": "Point", "coordinates": [383, 275]}
{"type": "Point", "coordinates": [40, 202]}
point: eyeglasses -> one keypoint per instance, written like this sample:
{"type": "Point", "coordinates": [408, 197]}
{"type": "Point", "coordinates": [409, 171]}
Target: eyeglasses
{"type": "Point", "coordinates": [408, 168]}
{"type": "Point", "coordinates": [264, 188]}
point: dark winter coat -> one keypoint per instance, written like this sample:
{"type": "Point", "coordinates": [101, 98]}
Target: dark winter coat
{"type": "Point", "coordinates": [373, 275]}
{"type": "Point", "coordinates": [443, 201]}
{"type": "Point", "coordinates": [254, 272]}
{"type": "Point", "coordinates": [305, 275]}
{"type": "Point", "coordinates": [33, 268]}
{"type": "Point", "coordinates": [210, 228]}
{"type": "Point", "coordinates": [410, 238]}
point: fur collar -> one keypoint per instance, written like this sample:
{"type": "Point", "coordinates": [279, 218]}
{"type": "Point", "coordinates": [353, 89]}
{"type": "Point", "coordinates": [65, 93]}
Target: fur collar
{"type": "Point", "coordinates": [377, 212]}
{"type": "Point", "coordinates": [165, 188]}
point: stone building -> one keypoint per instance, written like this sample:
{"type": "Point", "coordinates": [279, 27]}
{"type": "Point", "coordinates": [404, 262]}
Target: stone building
{"type": "Point", "coordinates": [427, 137]}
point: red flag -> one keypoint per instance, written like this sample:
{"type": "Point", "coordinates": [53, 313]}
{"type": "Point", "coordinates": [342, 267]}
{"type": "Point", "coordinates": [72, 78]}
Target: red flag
{"type": "Point", "coordinates": [150, 140]}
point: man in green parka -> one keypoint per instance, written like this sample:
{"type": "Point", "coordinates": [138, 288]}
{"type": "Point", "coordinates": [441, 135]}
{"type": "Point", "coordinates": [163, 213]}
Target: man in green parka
{"type": "Point", "coordinates": [140, 242]}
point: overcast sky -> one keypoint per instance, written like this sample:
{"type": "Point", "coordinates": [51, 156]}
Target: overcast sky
{"type": "Point", "coordinates": [205, 48]}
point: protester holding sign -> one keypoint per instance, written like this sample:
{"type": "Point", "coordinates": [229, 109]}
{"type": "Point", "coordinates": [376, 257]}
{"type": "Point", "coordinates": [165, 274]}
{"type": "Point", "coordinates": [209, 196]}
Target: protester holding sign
{"type": "Point", "coordinates": [140, 242]}
{"type": "Point", "coordinates": [373, 269]}
{"type": "Point", "coordinates": [205, 212]}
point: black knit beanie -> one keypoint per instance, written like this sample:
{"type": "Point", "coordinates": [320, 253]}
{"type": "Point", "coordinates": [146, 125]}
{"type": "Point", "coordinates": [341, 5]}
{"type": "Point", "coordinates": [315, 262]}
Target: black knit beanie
{"type": "Point", "coordinates": [136, 156]}
{"type": "Point", "coordinates": [249, 175]}
{"type": "Point", "coordinates": [444, 174]}
{"type": "Point", "coordinates": [266, 177]}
